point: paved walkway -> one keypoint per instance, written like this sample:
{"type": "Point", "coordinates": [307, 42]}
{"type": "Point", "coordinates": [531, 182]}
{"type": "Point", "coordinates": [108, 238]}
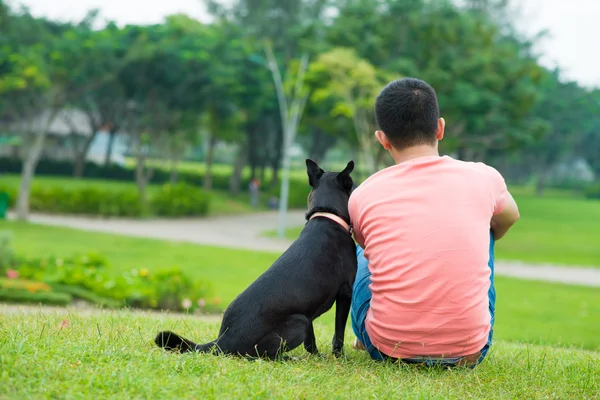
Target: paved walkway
{"type": "Point", "coordinates": [245, 231]}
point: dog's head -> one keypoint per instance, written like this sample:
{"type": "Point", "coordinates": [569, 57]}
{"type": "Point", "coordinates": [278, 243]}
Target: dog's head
{"type": "Point", "coordinates": [330, 190]}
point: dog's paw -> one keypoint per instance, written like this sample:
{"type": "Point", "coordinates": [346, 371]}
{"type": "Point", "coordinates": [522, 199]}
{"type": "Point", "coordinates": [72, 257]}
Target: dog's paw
{"type": "Point", "coordinates": [338, 352]}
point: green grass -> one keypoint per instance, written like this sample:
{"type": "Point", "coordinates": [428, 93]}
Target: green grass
{"type": "Point", "coordinates": [533, 312]}
{"type": "Point", "coordinates": [111, 355]}
{"type": "Point", "coordinates": [546, 343]}
{"type": "Point", "coordinates": [559, 228]}
{"type": "Point", "coordinates": [222, 203]}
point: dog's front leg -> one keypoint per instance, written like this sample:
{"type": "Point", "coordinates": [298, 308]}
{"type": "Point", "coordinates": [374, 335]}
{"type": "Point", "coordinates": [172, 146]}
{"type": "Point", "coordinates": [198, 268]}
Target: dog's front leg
{"type": "Point", "coordinates": [342, 309]}
{"type": "Point", "coordinates": [310, 343]}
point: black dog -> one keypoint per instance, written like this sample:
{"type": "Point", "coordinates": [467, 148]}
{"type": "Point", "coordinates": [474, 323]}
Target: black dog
{"type": "Point", "coordinates": [276, 312]}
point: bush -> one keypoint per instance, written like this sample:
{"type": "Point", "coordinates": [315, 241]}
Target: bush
{"type": "Point", "coordinates": [88, 278]}
{"type": "Point", "coordinates": [592, 191]}
{"type": "Point", "coordinates": [181, 199]}
{"type": "Point", "coordinates": [24, 296]}
{"type": "Point", "coordinates": [121, 202]}
{"type": "Point", "coordinates": [298, 194]}
{"type": "Point", "coordinates": [171, 200]}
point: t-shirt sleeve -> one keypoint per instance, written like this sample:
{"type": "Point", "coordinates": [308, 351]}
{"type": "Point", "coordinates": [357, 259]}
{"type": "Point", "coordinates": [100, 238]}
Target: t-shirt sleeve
{"type": "Point", "coordinates": [353, 209]}
{"type": "Point", "coordinates": [499, 189]}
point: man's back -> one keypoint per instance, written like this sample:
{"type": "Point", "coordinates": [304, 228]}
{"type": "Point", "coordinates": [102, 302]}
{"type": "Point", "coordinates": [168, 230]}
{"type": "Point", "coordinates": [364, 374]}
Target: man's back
{"type": "Point", "coordinates": [424, 224]}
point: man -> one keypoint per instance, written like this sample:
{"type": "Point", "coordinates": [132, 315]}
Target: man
{"type": "Point", "coordinates": [424, 289]}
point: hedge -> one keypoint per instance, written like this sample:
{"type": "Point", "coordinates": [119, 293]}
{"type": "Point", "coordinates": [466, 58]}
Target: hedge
{"type": "Point", "coordinates": [592, 191]}
{"type": "Point", "coordinates": [299, 189]}
{"type": "Point", "coordinates": [172, 200]}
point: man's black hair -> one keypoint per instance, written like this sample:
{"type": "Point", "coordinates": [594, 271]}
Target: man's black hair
{"type": "Point", "coordinates": [407, 112]}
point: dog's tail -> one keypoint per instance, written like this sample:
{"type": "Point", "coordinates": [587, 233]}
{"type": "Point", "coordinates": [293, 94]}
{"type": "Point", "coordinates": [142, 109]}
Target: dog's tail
{"type": "Point", "coordinates": [173, 342]}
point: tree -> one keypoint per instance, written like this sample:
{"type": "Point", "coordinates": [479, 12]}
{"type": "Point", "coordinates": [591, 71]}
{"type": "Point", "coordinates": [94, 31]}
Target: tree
{"type": "Point", "coordinates": [487, 80]}
{"type": "Point", "coordinates": [284, 27]}
{"type": "Point", "coordinates": [351, 84]}
{"type": "Point", "coordinates": [36, 82]}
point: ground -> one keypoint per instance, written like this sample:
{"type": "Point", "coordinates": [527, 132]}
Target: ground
{"type": "Point", "coordinates": [546, 341]}
{"type": "Point", "coordinates": [75, 355]}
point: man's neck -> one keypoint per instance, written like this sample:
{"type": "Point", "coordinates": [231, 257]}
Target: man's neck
{"type": "Point", "coordinates": [410, 153]}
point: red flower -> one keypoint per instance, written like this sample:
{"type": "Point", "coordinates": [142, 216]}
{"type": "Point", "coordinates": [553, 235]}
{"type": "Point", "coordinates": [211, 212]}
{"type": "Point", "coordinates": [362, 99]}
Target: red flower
{"type": "Point", "coordinates": [12, 274]}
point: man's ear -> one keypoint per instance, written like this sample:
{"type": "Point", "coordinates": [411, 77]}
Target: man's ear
{"type": "Point", "coordinates": [383, 140]}
{"type": "Point", "coordinates": [344, 176]}
{"type": "Point", "coordinates": [314, 172]}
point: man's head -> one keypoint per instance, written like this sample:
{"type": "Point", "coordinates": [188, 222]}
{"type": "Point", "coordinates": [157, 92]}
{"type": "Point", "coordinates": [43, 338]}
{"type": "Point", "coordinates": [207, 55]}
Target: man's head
{"type": "Point", "coordinates": [408, 115]}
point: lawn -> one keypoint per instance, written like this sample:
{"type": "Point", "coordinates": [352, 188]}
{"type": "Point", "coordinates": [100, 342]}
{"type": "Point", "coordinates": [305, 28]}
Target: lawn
{"type": "Point", "coordinates": [46, 354]}
{"type": "Point", "coordinates": [547, 340]}
{"type": "Point", "coordinates": [558, 228]}
{"type": "Point", "coordinates": [532, 312]}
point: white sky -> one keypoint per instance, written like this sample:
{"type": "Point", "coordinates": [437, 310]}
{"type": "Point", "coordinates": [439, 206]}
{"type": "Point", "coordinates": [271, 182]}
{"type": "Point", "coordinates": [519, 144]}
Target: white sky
{"type": "Point", "coordinates": [573, 44]}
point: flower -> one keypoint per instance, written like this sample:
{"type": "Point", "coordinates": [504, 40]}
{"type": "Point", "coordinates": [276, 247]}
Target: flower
{"type": "Point", "coordinates": [65, 323]}
{"type": "Point", "coordinates": [12, 274]}
{"type": "Point", "coordinates": [201, 303]}
{"type": "Point", "coordinates": [144, 272]}
{"type": "Point", "coordinates": [217, 301]}
{"type": "Point", "coordinates": [187, 303]}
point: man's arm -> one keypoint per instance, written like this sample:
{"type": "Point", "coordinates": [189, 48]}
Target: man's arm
{"type": "Point", "coordinates": [502, 221]}
{"type": "Point", "coordinates": [353, 211]}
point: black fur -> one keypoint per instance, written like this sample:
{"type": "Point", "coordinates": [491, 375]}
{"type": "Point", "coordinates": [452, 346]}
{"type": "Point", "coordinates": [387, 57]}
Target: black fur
{"type": "Point", "coordinates": [275, 313]}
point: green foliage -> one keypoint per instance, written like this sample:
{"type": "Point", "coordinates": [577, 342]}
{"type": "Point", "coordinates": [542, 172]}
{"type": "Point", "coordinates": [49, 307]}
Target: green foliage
{"type": "Point", "coordinates": [297, 196]}
{"type": "Point", "coordinates": [122, 201]}
{"type": "Point", "coordinates": [89, 278]}
{"type": "Point", "coordinates": [41, 297]}
{"type": "Point", "coordinates": [592, 191]}
{"type": "Point", "coordinates": [180, 200]}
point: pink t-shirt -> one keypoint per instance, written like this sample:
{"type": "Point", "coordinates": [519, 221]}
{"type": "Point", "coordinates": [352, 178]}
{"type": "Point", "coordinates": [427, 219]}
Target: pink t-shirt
{"type": "Point", "coordinates": [424, 225]}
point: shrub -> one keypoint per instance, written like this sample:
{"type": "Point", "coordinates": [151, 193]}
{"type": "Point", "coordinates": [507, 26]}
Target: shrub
{"type": "Point", "coordinates": [24, 296]}
{"type": "Point", "coordinates": [117, 202]}
{"type": "Point", "coordinates": [592, 191]}
{"type": "Point", "coordinates": [171, 200]}
{"type": "Point", "coordinates": [298, 194]}
{"type": "Point", "coordinates": [88, 278]}
{"type": "Point", "coordinates": [181, 199]}
{"type": "Point", "coordinates": [25, 291]}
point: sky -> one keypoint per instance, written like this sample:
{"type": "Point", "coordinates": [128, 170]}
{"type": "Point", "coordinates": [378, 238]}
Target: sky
{"type": "Point", "coordinates": [572, 43]}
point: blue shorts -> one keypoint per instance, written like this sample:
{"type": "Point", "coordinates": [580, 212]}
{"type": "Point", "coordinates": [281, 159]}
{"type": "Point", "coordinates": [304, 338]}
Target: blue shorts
{"type": "Point", "coordinates": [361, 301]}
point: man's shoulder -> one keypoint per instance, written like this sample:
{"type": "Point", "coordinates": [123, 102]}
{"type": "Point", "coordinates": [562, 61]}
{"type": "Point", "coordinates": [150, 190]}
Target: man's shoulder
{"type": "Point", "coordinates": [475, 166]}
{"type": "Point", "coordinates": [379, 178]}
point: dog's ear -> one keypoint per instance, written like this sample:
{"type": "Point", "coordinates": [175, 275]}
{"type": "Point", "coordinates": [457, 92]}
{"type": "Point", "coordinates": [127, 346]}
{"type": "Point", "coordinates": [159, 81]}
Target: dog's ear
{"type": "Point", "coordinates": [344, 177]}
{"type": "Point", "coordinates": [314, 172]}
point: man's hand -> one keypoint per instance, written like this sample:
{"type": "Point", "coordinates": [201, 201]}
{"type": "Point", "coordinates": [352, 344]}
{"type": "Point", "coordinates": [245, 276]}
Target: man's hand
{"type": "Point", "coordinates": [506, 218]}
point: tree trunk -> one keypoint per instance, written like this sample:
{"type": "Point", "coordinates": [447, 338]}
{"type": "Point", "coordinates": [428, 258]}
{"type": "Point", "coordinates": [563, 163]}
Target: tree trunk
{"type": "Point", "coordinates": [212, 142]}
{"type": "Point", "coordinates": [540, 186]}
{"type": "Point", "coordinates": [80, 156]}
{"type": "Point", "coordinates": [262, 173]}
{"type": "Point", "coordinates": [320, 145]}
{"type": "Point", "coordinates": [238, 168]}
{"type": "Point", "coordinates": [27, 173]}
{"type": "Point", "coordinates": [109, 147]}
{"type": "Point", "coordinates": [174, 175]}
{"type": "Point", "coordinates": [142, 176]}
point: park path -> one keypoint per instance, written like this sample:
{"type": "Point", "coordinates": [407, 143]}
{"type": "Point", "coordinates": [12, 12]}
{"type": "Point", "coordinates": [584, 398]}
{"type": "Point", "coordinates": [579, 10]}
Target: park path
{"type": "Point", "coordinates": [246, 232]}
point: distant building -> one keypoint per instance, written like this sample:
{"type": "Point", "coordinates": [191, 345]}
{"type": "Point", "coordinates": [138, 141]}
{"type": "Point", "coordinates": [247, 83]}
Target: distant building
{"type": "Point", "coordinates": [67, 132]}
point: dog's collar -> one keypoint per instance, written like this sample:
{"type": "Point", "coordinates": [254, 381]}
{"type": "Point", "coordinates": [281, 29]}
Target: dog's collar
{"type": "Point", "coordinates": [334, 218]}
